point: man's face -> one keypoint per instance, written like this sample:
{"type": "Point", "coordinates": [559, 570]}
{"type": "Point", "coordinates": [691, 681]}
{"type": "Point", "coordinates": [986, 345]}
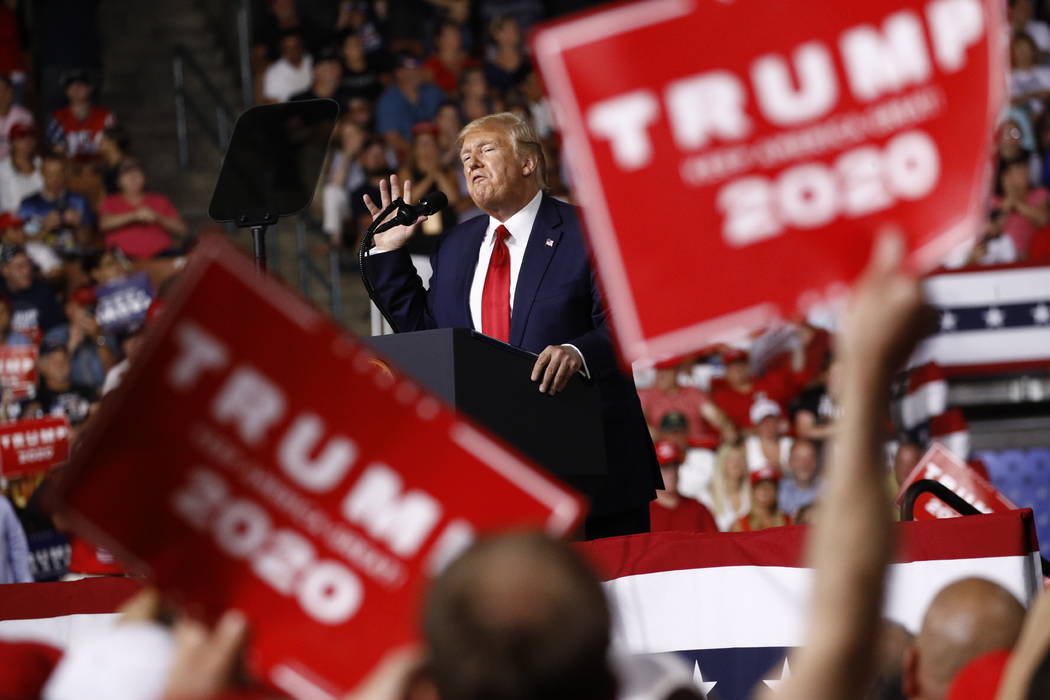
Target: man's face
{"type": "Point", "coordinates": [495, 176]}
{"type": "Point", "coordinates": [53, 172]}
{"type": "Point", "coordinates": [670, 474]}
{"type": "Point", "coordinates": [292, 49]}
{"type": "Point", "coordinates": [408, 77]}
{"type": "Point", "coordinates": [768, 427]}
{"type": "Point", "coordinates": [55, 367]}
{"type": "Point", "coordinates": [109, 269]}
{"type": "Point", "coordinates": [738, 372]}
{"type": "Point", "coordinates": [78, 91]}
{"type": "Point", "coordinates": [803, 462]}
{"type": "Point", "coordinates": [905, 460]}
{"type": "Point", "coordinates": [132, 181]}
{"type": "Point", "coordinates": [18, 273]}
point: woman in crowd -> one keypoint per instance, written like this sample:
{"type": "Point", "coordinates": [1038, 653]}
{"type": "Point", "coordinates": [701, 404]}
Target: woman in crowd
{"type": "Point", "coordinates": [766, 446]}
{"type": "Point", "coordinates": [729, 497]}
{"type": "Point", "coordinates": [449, 60]}
{"type": "Point", "coordinates": [140, 223]}
{"type": "Point", "coordinates": [427, 174]}
{"type": "Point", "coordinates": [344, 176]}
{"type": "Point", "coordinates": [360, 78]}
{"type": "Point", "coordinates": [507, 65]}
{"type": "Point", "coordinates": [1018, 208]}
{"type": "Point", "coordinates": [1029, 81]}
{"type": "Point", "coordinates": [765, 511]}
{"type": "Point", "coordinates": [20, 174]}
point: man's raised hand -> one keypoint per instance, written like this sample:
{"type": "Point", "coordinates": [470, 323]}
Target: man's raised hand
{"type": "Point", "coordinates": [388, 192]}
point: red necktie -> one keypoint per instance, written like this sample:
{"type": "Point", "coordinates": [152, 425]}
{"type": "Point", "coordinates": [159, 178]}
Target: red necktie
{"type": "Point", "coordinates": [495, 298]}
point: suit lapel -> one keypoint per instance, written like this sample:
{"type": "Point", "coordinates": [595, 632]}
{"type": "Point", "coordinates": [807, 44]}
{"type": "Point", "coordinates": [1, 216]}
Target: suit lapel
{"type": "Point", "coordinates": [543, 241]}
{"type": "Point", "coordinates": [467, 270]}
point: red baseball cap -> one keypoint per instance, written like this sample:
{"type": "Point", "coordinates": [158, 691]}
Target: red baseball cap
{"type": "Point", "coordinates": [20, 129]}
{"type": "Point", "coordinates": [668, 452]}
{"type": "Point", "coordinates": [85, 296]}
{"type": "Point", "coordinates": [765, 474]}
{"type": "Point", "coordinates": [10, 220]}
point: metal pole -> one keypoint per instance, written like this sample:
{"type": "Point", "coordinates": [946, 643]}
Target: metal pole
{"type": "Point", "coordinates": [259, 244]}
{"type": "Point", "coordinates": [335, 280]}
{"type": "Point", "coordinates": [244, 48]}
{"type": "Point", "coordinates": [301, 254]}
{"type": "Point", "coordinates": [181, 129]}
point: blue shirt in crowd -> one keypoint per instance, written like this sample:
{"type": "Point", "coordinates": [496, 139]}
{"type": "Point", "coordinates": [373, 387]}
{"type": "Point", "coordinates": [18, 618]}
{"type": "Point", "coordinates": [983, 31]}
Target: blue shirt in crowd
{"type": "Point", "coordinates": [394, 112]}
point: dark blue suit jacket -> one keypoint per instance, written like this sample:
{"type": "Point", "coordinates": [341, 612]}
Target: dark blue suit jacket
{"type": "Point", "coordinates": [556, 301]}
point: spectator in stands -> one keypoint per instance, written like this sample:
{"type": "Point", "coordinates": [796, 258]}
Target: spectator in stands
{"type": "Point", "coordinates": [1022, 20]}
{"type": "Point", "coordinates": [507, 65]}
{"type": "Point", "coordinates": [406, 102]}
{"type": "Point", "coordinates": [14, 548]}
{"type": "Point", "coordinates": [345, 175]}
{"type": "Point", "coordinates": [993, 247]}
{"type": "Point", "coordinates": [707, 424]}
{"type": "Point", "coordinates": [289, 74]}
{"type": "Point", "coordinates": [56, 394]}
{"type": "Point", "coordinates": [55, 215]}
{"type": "Point", "coordinates": [91, 351]}
{"type": "Point", "coordinates": [800, 484]}
{"type": "Point", "coordinates": [448, 125]}
{"type": "Point", "coordinates": [671, 510]}
{"type": "Point", "coordinates": [10, 113]}
{"type": "Point", "coordinates": [42, 255]}
{"type": "Point", "coordinates": [729, 497]}
{"type": "Point", "coordinates": [326, 82]}
{"type": "Point", "coordinates": [813, 411]}
{"type": "Point", "coordinates": [427, 174]}
{"type": "Point", "coordinates": [34, 307]}
{"type": "Point", "coordinates": [76, 130]}
{"type": "Point", "coordinates": [376, 167]}
{"type": "Point", "coordinates": [450, 59]}
{"type": "Point", "coordinates": [736, 392]}
{"type": "Point", "coordinates": [765, 510]}
{"type": "Point", "coordinates": [138, 222]}
{"type": "Point", "coordinates": [112, 150]}
{"type": "Point", "coordinates": [905, 459]}
{"type": "Point", "coordinates": [1025, 208]}
{"type": "Point", "coordinates": [474, 99]}
{"type": "Point", "coordinates": [1029, 80]}
{"type": "Point", "coordinates": [767, 446]}
{"type": "Point", "coordinates": [20, 174]}
{"type": "Point", "coordinates": [360, 77]}
{"type": "Point", "coordinates": [7, 335]}
{"type": "Point", "coordinates": [967, 618]}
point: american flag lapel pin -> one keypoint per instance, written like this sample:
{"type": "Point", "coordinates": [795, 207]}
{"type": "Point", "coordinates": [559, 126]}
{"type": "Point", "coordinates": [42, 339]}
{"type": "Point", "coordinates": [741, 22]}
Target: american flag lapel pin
{"type": "Point", "coordinates": [550, 242]}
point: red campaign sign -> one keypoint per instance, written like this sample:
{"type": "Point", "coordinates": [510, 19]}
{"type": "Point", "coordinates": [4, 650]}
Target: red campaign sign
{"type": "Point", "coordinates": [257, 458]}
{"type": "Point", "coordinates": [944, 467]}
{"type": "Point", "coordinates": [31, 446]}
{"type": "Point", "coordinates": [18, 369]}
{"type": "Point", "coordinates": [735, 160]}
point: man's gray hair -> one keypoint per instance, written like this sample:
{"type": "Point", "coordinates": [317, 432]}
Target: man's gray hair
{"type": "Point", "coordinates": [523, 138]}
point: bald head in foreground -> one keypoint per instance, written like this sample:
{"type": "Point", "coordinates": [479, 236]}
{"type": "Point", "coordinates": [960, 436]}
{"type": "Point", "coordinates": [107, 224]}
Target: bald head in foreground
{"type": "Point", "coordinates": [966, 619]}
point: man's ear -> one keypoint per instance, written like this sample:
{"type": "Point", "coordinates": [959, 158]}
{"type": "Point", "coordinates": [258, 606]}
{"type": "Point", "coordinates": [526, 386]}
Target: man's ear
{"type": "Point", "coordinates": [910, 673]}
{"type": "Point", "coordinates": [528, 165]}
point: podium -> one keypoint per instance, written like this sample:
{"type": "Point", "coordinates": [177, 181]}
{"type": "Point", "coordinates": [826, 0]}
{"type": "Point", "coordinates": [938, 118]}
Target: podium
{"type": "Point", "coordinates": [489, 382]}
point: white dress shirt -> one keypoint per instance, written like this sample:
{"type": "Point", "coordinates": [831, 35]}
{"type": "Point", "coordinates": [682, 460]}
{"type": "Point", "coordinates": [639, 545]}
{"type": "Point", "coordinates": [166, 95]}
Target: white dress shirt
{"type": "Point", "coordinates": [520, 228]}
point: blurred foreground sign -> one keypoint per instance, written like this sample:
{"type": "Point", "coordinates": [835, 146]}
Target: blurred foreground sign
{"type": "Point", "coordinates": [256, 458]}
{"type": "Point", "coordinates": [941, 465]}
{"type": "Point", "coordinates": [33, 445]}
{"type": "Point", "coordinates": [735, 160]}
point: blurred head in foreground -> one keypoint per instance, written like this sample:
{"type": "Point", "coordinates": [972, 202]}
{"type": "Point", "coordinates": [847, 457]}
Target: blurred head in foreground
{"type": "Point", "coordinates": [519, 617]}
{"type": "Point", "coordinates": [966, 619]}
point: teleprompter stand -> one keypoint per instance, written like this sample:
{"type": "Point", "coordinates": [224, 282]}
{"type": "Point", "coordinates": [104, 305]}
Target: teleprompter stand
{"type": "Point", "coordinates": [272, 165]}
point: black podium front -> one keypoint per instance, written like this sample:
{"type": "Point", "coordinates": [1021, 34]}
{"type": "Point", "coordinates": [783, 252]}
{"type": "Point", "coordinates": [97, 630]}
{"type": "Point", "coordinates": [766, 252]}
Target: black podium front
{"type": "Point", "coordinates": [490, 382]}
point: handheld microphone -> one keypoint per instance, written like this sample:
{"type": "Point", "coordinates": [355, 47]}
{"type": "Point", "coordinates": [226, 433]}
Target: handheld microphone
{"type": "Point", "coordinates": [429, 204]}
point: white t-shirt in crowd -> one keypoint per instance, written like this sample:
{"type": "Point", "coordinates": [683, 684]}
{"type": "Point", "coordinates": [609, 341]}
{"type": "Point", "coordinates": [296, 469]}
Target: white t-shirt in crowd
{"type": "Point", "coordinates": [282, 79]}
{"type": "Point", "coordinates": [16, 186]}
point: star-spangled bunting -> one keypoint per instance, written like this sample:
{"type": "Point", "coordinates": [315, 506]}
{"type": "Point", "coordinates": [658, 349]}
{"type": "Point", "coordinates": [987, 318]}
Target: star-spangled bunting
{"type": "Point", "coordinates": [994, 317]}
{"type": "Point", "coordinates": [785, 673]}
{"type": "Point", "coordinates": [698, 678]}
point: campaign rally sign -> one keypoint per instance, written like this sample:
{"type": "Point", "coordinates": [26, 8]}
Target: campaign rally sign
{"type": "Point", "coordinates": [941, 465]}
{"type": "Point", "coordinates": [257, 458]}
{"type": "Point", "coordinates": [33, 445]}
{"type": "Point", "coordinates": [726, 187]}
{"type": "Point", "coordinates": [123, 303]}
{"type": "Point", "coordinates": [18, 370]}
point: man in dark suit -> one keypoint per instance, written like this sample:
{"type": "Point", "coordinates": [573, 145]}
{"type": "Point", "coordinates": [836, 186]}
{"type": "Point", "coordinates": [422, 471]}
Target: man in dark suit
{"type": "Point", "coordinates": [522, 275]}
